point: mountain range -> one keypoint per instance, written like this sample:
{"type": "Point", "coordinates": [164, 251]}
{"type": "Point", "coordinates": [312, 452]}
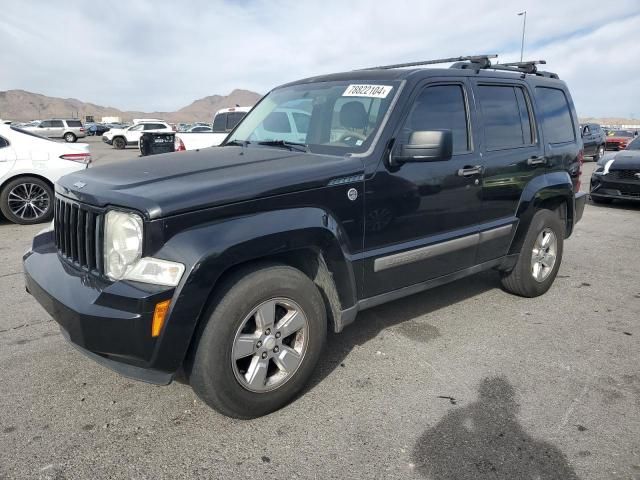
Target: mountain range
{"type": "Point", "coordinates": [20, 105]}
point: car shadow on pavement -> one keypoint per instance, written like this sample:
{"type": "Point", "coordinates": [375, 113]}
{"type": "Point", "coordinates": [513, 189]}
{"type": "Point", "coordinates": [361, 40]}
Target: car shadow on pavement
{"type": "Point", "coordinates": [371, 322]}
{"type": "Point", "coordinates": [485, 440]}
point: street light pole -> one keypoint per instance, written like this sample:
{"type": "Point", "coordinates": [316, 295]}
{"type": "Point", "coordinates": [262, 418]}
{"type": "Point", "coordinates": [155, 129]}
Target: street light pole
{"type": "Point", "coordinates": [524, 27]}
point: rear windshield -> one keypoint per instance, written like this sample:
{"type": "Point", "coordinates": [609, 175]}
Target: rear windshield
{"type": "Point", "coordinates": [74, 123]}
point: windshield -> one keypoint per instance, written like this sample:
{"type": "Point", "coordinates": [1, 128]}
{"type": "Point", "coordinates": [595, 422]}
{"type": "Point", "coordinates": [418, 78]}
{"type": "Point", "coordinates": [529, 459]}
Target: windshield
{"type": "Point", "coordinates": [333, 118]}
{"type": "Point", "coordinates": [621, 133]}
{"type": "Point", "coordinates": [635, 145]}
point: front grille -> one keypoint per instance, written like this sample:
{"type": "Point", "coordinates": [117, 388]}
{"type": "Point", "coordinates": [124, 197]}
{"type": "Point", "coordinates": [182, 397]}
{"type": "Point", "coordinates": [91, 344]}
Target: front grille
{"type": "Point", "coordinates": [627, 174]}
{"type": "Point", "coordinates": [79, 234]}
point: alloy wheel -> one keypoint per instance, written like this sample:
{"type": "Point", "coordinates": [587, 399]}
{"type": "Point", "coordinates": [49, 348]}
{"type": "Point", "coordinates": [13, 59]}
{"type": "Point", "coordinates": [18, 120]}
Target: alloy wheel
{"type": "Point", "coordinates": [28, 201]}
{"type": "Point", "coordinates": [543, 257]}
{"type": "Point", "coordinates": [270, 345]}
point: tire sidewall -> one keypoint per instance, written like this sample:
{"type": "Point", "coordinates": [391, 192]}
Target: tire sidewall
{"type": "Point", "coordinates": [119, 143]}
{"type": "Point", "coordinates": [69, 137]}
{"type": "Point", "coordinates": [541, 220]}
{"type": "Point", "coordinates": [212, 374]}
{"type": "Point", "coordinates": [4, 204]}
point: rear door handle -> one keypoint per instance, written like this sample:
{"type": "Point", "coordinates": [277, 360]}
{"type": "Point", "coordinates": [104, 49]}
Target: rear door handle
{"type": "Point", "coordinates": [536, 161]}
{"type": "Point", "coordinates": [470, 171]}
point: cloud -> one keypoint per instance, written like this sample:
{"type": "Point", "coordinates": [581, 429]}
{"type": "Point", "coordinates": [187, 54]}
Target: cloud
{"type": "Point", "coordinates": [161, 55]}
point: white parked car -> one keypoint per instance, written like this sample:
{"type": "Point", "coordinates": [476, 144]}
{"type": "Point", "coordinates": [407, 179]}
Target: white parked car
{"type": "Point", "coordinates": [29, 167]}
{"type": "Point", "coordinates": [224, 121]}
{"type": "Point", "coordinates": [123, 137]}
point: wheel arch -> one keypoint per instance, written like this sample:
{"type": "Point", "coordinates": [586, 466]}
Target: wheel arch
{"type": "Point", "coordinates": [304, 238]}
{"type": "Point", "coordinates": [23, 174]}
{"type": "Point", "coordinates": [551, 191]}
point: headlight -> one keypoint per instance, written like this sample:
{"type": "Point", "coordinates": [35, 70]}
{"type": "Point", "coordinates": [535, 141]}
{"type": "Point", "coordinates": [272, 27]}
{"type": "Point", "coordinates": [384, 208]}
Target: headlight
{"type": "Point", "coordinates": [123, 253]}
{"type": "Point", "coordinates": [122, 243]}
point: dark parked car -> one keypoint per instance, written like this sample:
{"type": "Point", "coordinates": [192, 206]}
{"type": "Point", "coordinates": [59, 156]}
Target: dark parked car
{"type": "Point", "coordinates": [227, 265]}
{"type": "Point", "coordinates": [97, 129]}
{"type": "Point", "coordinates": [618, 178]}
{"type": "Point", "coordinates": [594, 140]}
{"type": "Point", "coordinates": [619, 139]}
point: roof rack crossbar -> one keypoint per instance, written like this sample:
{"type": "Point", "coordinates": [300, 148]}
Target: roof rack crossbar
{"type": "Point", "coordinates": [527, 67]}
{"type": "Point", "coordinates": [480, 59]}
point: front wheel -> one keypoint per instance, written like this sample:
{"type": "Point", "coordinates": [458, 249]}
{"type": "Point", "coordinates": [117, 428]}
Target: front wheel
{"type": "Point", "coordinates": [599, 153]}
{"type": "Point", "coordinates": [119, 143]}
{"type": "Point", "coordinates": [27, 200]}
{"type": "Point", "coordinates": [262, 340]}
{"type": "Point", "coordinates": [540, 257]}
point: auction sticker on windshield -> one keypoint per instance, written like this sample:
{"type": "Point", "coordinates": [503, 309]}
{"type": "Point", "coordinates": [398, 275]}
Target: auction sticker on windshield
{"type": "Point", "coordinates": [372, 91]}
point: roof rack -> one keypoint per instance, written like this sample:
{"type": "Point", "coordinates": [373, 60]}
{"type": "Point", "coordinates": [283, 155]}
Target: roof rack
{"type": "Point", "coordinates": [480, 59]}
{"type": "Point", "coordinates": [477, 62]}
{"type": "Point", "coordinates": [525, 68]}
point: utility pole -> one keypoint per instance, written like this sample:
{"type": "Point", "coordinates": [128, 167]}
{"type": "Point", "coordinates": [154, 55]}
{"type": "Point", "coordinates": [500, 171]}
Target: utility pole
{"type": "Point", "coordinates": [524, 27]}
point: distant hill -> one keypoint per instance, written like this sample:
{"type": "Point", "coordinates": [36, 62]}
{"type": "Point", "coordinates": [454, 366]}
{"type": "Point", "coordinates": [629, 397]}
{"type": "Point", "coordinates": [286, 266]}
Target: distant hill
{"type": "Point", "coordinates": [610, 120]}
{"type": "Point", "coordinates": [21, 105]}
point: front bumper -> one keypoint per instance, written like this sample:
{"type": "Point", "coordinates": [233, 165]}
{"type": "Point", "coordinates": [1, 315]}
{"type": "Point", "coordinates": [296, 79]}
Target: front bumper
{"type": "Point", "coordinates": [606, 186]}
{"type": "Point", "coordinates": [107, 140]}
{"type": "Point", "coordinates": [109, 322]}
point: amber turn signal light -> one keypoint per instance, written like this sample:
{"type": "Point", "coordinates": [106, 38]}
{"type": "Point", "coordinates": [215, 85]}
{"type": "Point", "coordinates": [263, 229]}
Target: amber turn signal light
{"type": "Point", "coordinates": [159, 314]}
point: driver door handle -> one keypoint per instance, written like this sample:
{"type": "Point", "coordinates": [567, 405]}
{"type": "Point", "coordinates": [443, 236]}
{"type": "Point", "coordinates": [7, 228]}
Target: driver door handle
{"type": "Point", "coordinates": [470, 171]}
{"type": "Point", "coordinates": [535, 160]}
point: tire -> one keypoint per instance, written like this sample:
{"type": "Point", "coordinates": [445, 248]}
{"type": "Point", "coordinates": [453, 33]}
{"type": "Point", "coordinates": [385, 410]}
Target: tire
{"type": "Point", "coordinates": [599, 153]}
{"type": "Point", "coordinates": [601, 200]}
{"type": "Point", "coordinates": [522, 280]}
{"type": "Point", "coordinates": [70, 137]}
{"type": "Point", "coordinates": [119, 143]}
{"type": "Point", "coordinates": [224, 384]}
{"type": "Point", "coordinates": [27, 201]}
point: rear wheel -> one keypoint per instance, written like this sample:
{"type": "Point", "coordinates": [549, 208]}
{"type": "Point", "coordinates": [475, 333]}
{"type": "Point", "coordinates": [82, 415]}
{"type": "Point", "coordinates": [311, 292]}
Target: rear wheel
{"type": "Point", "coordinates": [263, 338]}
{"type": "Point", "coordinates": [27, 200]}
{"type": "Point", "coordinates": [69, 137]}
{"type": "Point", "coordinates": [540, 257]}
{"type": "Point", "coordinates": [119, 143]}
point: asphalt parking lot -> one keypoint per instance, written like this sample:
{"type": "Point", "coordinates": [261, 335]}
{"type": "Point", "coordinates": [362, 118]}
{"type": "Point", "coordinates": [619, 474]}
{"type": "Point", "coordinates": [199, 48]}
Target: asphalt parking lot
{"type": "Point", "coordinates": [461, 382]}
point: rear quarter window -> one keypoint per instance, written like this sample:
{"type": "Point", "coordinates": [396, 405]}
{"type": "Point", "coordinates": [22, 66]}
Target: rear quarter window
{"type": "Point", "coordinates": [4, 142]}
{"type": "Point", "coordinates": [74, 123]}
{"type": "Point", "coordinates": [557, 123]}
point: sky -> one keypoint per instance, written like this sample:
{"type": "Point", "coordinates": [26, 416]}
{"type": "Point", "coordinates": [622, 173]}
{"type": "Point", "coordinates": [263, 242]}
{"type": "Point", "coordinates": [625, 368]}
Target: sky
{"type": "Point", "coordinates": [163, 55]}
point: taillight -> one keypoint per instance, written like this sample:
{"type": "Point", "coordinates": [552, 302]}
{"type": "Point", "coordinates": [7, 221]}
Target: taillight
{"type": "Point", "coordinates": [81, 129]}
{"type": "Point", "coordinates": [77, 157]}
{"type": "Point", "coordinates": [580, 162]}
{"type": "Point", "coordinates": [178, 145]}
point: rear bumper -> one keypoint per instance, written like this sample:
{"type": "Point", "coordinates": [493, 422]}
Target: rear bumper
{"type": "Point", "coordinates": [605, 187]}
{"type": "Point", "coordinates": [581, 201]}
{"type": "Point", "coordinates": [109, 322]}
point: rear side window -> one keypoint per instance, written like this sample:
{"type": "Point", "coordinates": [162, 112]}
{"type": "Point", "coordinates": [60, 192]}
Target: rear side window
{"type": "Point", "coordinates": [57, 123]}
{"type": "Point", "coordinates": [277, 122]}
{"type": "Point", "coordinates": [302, 121]}
{"type": "Point", "coordinates": [441, 107]}
{"type": "Point", "coordinates": [74, 123]}
{"type": "Point", "coordinates": [506, 116]}
{"type": "Point", "coordinates": [233, 119]}
{"type": "Point", "coordinates": [220, 122]}
{"type": "Point", "coordinates": [557, 123]}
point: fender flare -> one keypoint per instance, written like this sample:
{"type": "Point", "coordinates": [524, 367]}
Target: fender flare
{"type": "Point", "coordinates": [551, 191]}
{"type": "Point", "coordinates": [210, 250]}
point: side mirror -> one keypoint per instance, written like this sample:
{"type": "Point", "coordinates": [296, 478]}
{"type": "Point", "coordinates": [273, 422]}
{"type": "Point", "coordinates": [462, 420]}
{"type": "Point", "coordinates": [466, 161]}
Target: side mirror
{"type": "Point", "coordinates": [426, 146]}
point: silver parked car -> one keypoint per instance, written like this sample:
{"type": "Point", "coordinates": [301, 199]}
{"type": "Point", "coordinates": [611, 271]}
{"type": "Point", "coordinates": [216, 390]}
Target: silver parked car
{"type": "Point", "coordinates": [70, 130]}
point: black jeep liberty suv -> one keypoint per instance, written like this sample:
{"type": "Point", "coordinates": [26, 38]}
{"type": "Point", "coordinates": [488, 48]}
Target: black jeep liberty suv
{"type": "Point", "coordinates": [226, 266]}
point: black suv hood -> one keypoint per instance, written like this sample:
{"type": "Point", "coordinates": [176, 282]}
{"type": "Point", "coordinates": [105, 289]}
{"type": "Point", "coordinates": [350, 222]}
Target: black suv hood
{"type": "Point", "coordinates": [162, 185]}
{"type": "Point", "coordinates": [626, 160]}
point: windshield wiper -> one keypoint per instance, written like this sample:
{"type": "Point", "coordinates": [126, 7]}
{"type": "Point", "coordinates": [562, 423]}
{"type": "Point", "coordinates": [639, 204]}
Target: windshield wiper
{"type": "Point", "coordinates": [293, 146]}
{"type": "Point", "coordinates": [237, 143]}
